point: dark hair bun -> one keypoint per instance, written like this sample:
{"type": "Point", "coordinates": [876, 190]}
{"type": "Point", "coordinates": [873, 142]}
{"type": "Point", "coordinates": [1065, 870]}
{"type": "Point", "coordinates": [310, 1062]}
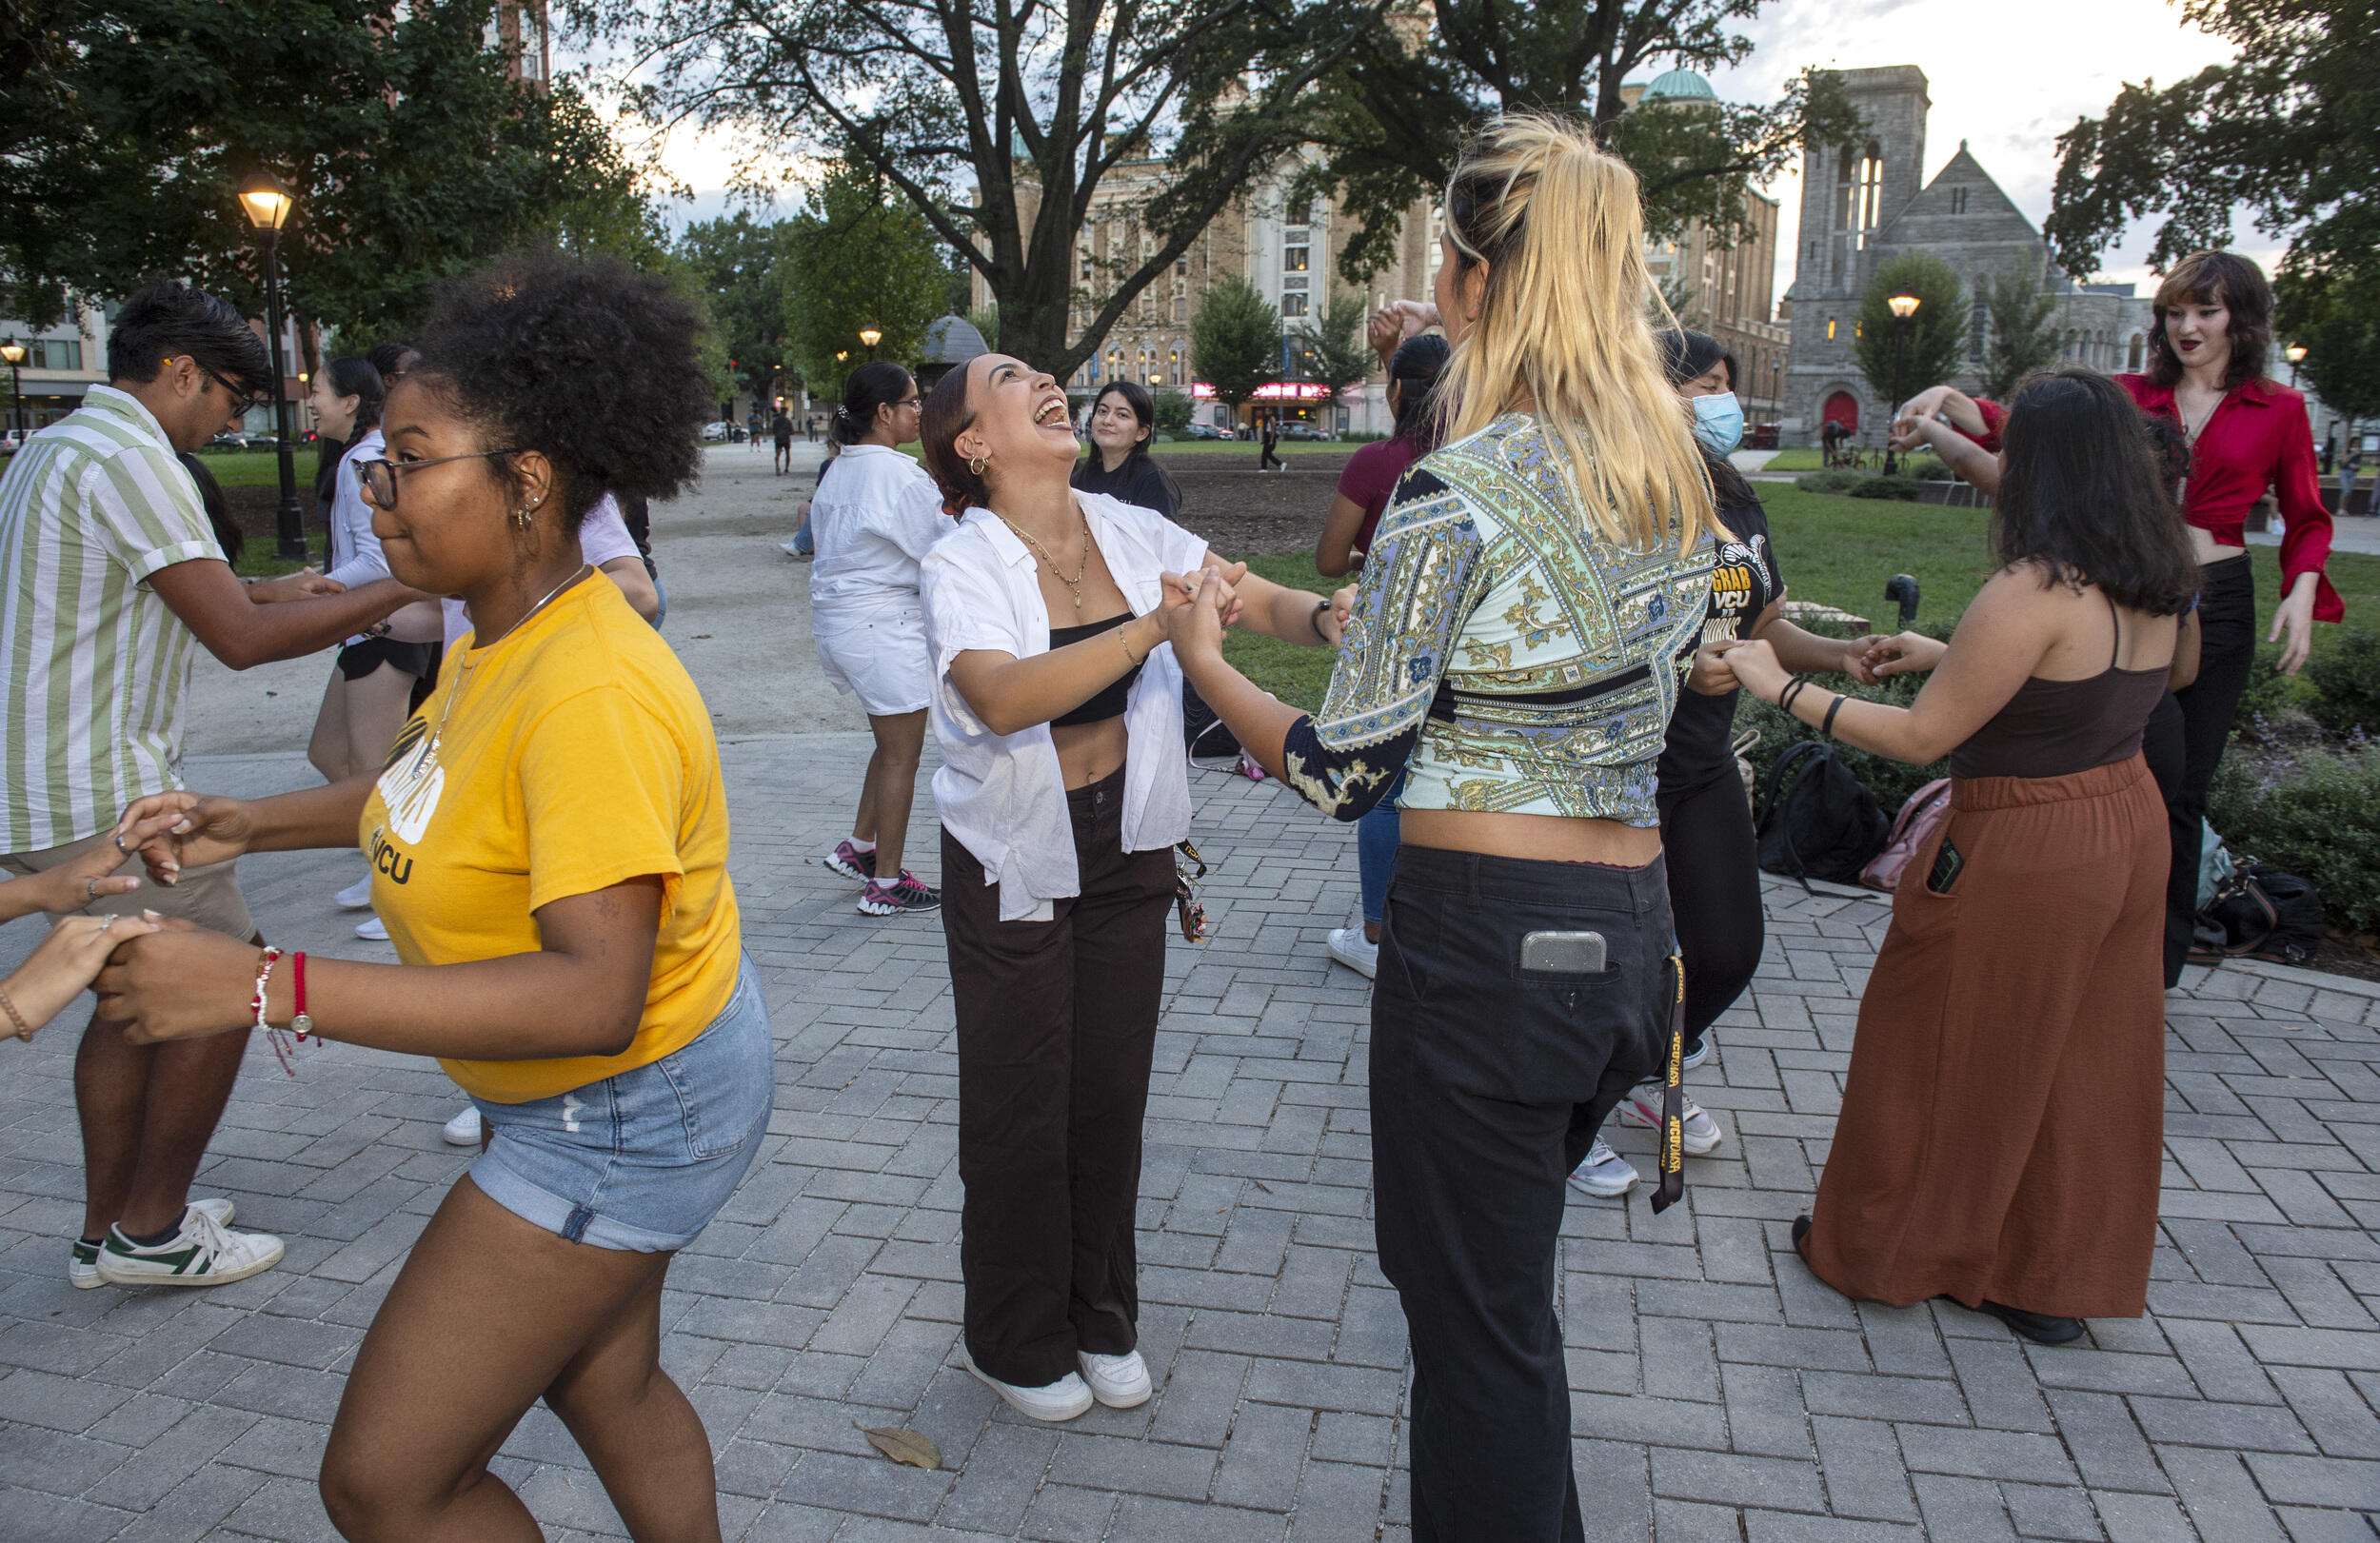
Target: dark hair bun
{"type": "Point", "coordinates": [583, 360]}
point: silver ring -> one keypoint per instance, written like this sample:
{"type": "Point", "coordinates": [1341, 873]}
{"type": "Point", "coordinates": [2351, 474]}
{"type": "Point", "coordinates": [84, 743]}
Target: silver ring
{"type": "Point", "coordinates": [118, 838]}
{"type": "Point", "coordinates": [106, 924]}
{"type": "Point", "coordinates": [91, 889]}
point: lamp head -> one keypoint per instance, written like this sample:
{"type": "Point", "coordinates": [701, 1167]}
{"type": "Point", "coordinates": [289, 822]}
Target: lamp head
{"type": "Point", "coordinates": [12, 353]}
{"type": "Point", "coordinates": [868, 336]}
{"type": "Point", "coordinates": [265, 200]}
{"type": "Point", "coordinates": [2296, 353]}
{"type": "Point", "coordinates": [1904, 305]}
{"type": "Point", "coordinates": [842, 354]}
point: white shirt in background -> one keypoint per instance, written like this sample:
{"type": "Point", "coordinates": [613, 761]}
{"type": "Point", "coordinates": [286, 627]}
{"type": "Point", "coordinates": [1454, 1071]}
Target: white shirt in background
{"type": "Point", "coordinates": [1002, 795]}
{"type": "Point", "coordinates": [603, 538]}
{"type": "Point", "coordinates": [875, 515]}
{"type": "Point", "coordinates": [356, 555]}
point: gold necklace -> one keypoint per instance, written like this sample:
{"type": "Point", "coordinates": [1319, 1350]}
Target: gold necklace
{"type": "Point", "coordinates": [1074, 583]}
{"type": "Point", "coordinates": [470, 662]}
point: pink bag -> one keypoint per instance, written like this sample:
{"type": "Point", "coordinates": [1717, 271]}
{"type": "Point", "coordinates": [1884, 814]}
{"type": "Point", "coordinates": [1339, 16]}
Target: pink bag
{"type": "Point", "coordinates": [1913, 827]}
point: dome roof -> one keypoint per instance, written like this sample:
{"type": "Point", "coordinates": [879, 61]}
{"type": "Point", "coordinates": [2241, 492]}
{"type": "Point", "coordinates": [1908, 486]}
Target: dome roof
{"type": "Point", "coordinates": [952, 340]}
{"type": "Point", "coordinates": [1680, 85]}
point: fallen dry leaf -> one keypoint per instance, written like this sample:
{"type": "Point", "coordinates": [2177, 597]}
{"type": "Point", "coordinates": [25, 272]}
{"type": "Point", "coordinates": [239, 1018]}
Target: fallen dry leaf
{"type": "Point", "coordinates": [902, 1445]}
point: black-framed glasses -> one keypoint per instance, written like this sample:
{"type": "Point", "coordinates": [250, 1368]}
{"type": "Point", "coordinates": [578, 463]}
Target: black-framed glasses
{"type": "Point", "coordinates": [379, 477]}
{"type": "Point", "coordinates": [243, 402]}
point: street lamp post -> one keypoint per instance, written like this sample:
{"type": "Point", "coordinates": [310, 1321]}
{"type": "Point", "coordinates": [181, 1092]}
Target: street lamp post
{"type": "Point", "coordinates": [13, 352]}
{"type": "Point", "coordinates": [1904, 307]}
{"type": "Point", "coordinates": [2296, 353]}
{"type": "Point", "coordinates": [267, 205]}
{"type": "Point", "coordinates": [870, 336]}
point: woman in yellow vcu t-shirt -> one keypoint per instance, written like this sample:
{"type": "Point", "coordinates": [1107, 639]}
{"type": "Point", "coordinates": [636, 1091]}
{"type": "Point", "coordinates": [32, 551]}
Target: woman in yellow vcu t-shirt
{"type": "Point", "coordinates": [548, 846]}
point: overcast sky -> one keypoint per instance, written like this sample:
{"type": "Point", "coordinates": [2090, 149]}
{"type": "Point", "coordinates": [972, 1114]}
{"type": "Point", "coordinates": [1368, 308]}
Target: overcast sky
{"type": "Point", "coordinates": [2008, 77]}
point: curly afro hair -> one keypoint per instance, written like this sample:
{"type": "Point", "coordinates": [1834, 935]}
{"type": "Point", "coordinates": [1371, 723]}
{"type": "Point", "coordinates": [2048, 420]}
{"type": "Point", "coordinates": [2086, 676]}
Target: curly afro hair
{"type": "Point", "coordinates": [583, 360]}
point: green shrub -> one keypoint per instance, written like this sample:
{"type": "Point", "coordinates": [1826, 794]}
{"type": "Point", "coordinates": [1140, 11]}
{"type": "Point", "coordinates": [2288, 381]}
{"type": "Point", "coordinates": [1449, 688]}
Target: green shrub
{"type": "Point", "coordinates": [1828, 481]}
{"type": "Point", "coordinates": [2345, 681]}
{"type": "Point", "coordinates": [2269, 696]}
{"type": "Point", "coordinates": [1173, 411]}
{"type": "Point", "coordinates": [2316, 816]}
{"type": "Point", "coordinates": [1897, 486]}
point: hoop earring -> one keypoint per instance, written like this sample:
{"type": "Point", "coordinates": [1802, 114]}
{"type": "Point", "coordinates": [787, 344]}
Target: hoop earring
{"type": "Point", "coordinates": [977, 462]}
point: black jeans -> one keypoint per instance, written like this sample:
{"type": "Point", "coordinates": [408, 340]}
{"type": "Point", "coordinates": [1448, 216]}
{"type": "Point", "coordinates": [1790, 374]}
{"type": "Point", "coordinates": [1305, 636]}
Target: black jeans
{"type": "Point", "coordinates": [1488, 1083]}
{"type": "Point", "coordinates": [1713, 860]}
{"type": "Point", "coordinates": [1057, 1025]}
{"type": "Point", "coordinates": [2227, 650]}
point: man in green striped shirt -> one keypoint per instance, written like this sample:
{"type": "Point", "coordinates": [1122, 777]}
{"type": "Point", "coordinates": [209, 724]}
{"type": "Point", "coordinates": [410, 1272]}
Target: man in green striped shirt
{"type": "Point", "coordinates": [109, 571]}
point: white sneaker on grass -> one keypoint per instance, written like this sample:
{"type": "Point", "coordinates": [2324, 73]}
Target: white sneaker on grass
{"type": "Point", "coordinates": [1605, 1172]}
{"type": "Point", "coordinates": [374, 930]}
{"type": "Point", "coordinates": [1061, 1400]}
{"type": "Point", "coordinates": [1118, 1381]}
{"type": "Point", "coordinates": [1700, 1134]}
{"type": "Point", "coordinates": [1350, 947]}
{"type": "Point", "coordinates": [356, 897]}
{"type": "Point", "coordinates": [82, 1264]}
{"type": "Point", "coordinates": [463, 1130]}
{"type": "Point", "coordinates": [202, 1253]}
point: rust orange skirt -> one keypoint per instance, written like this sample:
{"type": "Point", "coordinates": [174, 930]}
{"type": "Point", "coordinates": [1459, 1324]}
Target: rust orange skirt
{"type": "Point", "coordinates": [2003, 1115]}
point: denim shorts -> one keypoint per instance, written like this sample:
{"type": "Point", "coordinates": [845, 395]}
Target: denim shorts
{"type": "Point", "coordinates": [642, 1160]}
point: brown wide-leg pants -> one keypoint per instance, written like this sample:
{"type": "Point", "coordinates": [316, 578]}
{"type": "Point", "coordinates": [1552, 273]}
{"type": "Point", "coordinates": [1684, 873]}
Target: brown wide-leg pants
{"type": "Point", "coordinates": [2003, 1119]}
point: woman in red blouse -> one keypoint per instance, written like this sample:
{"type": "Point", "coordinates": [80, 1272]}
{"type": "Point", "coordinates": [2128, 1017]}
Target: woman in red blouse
{"type": "Point", "coordinates": [2212, 334]}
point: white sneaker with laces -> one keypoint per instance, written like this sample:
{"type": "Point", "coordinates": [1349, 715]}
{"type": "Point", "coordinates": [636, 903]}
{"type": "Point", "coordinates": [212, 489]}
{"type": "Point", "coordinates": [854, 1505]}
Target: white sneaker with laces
{"type": "Point", "coordinates": [82, 1260]}
{"type": "Point", "coordinates": [1349, 946]}
{"type": "Point", "coordinates": [1699, 1134]}
{"type": "Point", "coordinates": [203, 1253]}
{"type": "Point", "coordinates": [1697, 1056]}
{"type": "Point", "coordinates": [1061, 1400]}
{"type": "Point", "coordinates": [1118, 1381]}
{"type": "Point", "coordinates": [356, 897]}
{"type": "Point", "coordinates": [463, 1130]}
{"type": "Point", "coordinates": [374, 931]}
{"type": "Point", "coordinates": [1605, 1172]}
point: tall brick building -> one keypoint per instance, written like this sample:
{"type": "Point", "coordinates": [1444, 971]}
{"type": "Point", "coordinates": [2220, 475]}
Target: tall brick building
{"type": "Point", "coordinates": [1863, 204]}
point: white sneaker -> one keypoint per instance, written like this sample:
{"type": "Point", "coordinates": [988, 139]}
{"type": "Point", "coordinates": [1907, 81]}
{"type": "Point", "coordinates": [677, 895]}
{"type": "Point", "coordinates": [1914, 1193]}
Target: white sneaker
{"type": "Point", "coordinates": [82, 1260]}
{"type": "Point", "coordinates": [1605, 1172]}
{"type": "Point", "coordinates": [1699, 1132]}
{"type": "Point", "coordinates": [1061, 1400]}
{"type": "Point", "coordinates": [1697, 1056]}
{"type": "Point", "coordinates": [203, 1253]}
{"type": "Point", "coordinates": [356, 897]}
{"type": "Point", "coordinates": [463, 1130]}
{"type": "Point", "coordinates": [1118, 1381]}
{"type": "Point", "coordinates": [374, 931]}
{"type": "Point", "coordinates": [1349, 947]}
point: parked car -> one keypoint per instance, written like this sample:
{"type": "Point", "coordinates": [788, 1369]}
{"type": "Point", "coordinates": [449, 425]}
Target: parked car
{"type": "Point", "coordinates": [9, 440]}
{"type": "Point", "coordinates": [717, 432]}
{"type": "Point", "coordinates": [1302, 432]}
{"type": "Point", "coordinates": [1205, 431]}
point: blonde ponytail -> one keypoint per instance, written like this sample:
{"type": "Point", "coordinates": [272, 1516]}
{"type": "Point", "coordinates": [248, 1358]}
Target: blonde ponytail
{"type": "Point", "coordinates": [1565, 329]}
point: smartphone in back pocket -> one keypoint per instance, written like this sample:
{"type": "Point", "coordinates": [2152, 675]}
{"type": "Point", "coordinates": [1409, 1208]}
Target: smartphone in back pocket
{"type": "Point", "coordinates": [1562, 953]}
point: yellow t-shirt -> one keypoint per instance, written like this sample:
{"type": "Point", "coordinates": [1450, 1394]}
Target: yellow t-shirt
{"type": "Point", "coordinates": [567, 757]}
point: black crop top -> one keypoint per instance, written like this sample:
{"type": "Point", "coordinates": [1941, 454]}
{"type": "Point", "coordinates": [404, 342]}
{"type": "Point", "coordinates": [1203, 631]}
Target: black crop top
{"type": "Point", "coordinates": [1109, 701]}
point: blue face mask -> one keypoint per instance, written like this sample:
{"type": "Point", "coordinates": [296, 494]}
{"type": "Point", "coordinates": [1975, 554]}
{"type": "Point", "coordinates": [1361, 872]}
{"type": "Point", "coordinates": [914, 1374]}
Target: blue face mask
{"type": "Point", "coordinates": [1720, 422]}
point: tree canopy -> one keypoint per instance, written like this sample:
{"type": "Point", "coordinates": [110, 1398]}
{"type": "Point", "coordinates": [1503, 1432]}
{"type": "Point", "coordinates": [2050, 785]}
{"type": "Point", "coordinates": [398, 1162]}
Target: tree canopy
{"type": "Point", "coordinates": [411, 154]}
{"type": "Point", "coordinates": [1001, 124]}
{"type": "Point", "coordinates": [1234, 340]}
{"type": "Point", "coordinates": [2018, 307]}
{"type": "Point", "coordinates": [864, 259]}
{"type": "Point", "coordinates": [1393, 116]}
{"type": "Point", "coordinates": [1899, 357]}
{"type": "Point", "coordinates": [745, 268]}
{"type": "Point", "coordinates": [1332, 349]}
{"type": "Point", "coordinates": [2289, 129]}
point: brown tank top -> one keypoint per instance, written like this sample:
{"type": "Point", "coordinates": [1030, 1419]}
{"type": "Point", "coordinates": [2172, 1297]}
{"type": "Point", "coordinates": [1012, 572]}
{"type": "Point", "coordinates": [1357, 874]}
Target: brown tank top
{"type": "Point", "coordinates": [2056, 728]}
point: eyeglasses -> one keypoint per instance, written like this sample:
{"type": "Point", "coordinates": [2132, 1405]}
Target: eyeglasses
{"type": "Point", "coordinates": [910, 402]}
{"type": "Point", "coordinates": [379, 478]}
{"type": "Point", "coordinates": [243, 402]}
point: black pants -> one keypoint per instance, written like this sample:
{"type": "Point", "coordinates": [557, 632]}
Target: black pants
{"type": "Point", "coordinates": [1266, 460]}
{"type": "Point", "coordinates": [1713, 860]}
{"type": "Point", "coordinates": [2227, 650]}
{"type": "Point", "coordinates": [1057, 1025]}
{"type": "Point", "coordinates": [1488, 1083]}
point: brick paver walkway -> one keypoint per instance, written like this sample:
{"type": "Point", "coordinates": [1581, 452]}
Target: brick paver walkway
{"type": "Point", "coordinates": [1719, 1392]}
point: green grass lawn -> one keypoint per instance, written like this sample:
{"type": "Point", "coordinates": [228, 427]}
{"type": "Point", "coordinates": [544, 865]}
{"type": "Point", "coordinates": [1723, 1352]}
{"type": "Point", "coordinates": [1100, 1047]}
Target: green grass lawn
{"type": "Point", "coordinates": [259, 468]}
{"type": "Point", "coordinates": [1837, 551]}
{"type": "Point", "coordinates": [1286, 450]}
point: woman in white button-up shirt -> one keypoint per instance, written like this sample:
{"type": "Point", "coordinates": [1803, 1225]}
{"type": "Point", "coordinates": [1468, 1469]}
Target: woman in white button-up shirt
{"type": "Point", "coordinates": [1064, 787]}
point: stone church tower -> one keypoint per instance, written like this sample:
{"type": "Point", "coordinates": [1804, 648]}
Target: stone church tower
{"type": "Point", "coordinates": [1863, 204]}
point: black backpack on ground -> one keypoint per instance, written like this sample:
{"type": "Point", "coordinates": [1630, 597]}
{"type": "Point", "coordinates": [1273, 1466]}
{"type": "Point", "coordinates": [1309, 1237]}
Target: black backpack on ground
{"type": "Point", "coordinates": [1816, 819]}
{"type": "Point", "coordinates": [2260, 913]}
{"type": "Point", "coordinates": [1202, 733]}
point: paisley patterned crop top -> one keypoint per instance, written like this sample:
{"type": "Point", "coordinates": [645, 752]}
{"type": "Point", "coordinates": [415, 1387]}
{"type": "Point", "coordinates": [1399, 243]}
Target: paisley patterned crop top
{"type": "Point", "coordinates": [1510, 660]}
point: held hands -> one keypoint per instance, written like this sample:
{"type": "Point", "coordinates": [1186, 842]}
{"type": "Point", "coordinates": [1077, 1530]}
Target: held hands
{"type": "Point", "coordinates": [1904, 653]}
{"type": "Point", "coordinates": [1196, 629]}
{"type": "Point", "coordinates": [1754, 664]}
{"type": "Point", "coordinates": [304, 585]}
{"type": "Point", "coordinates": [67, 960]}
{"type": "Point", "coordinates": [1343, 606]}
{"type": "Point", "coordinates": [184, 983]}
{"type": "Point", "coordinates": [1712, 675]}
{"type": "Point", "coordinates": [71, 885]}
{"type": "Point", "coordinates": [173, 831]}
